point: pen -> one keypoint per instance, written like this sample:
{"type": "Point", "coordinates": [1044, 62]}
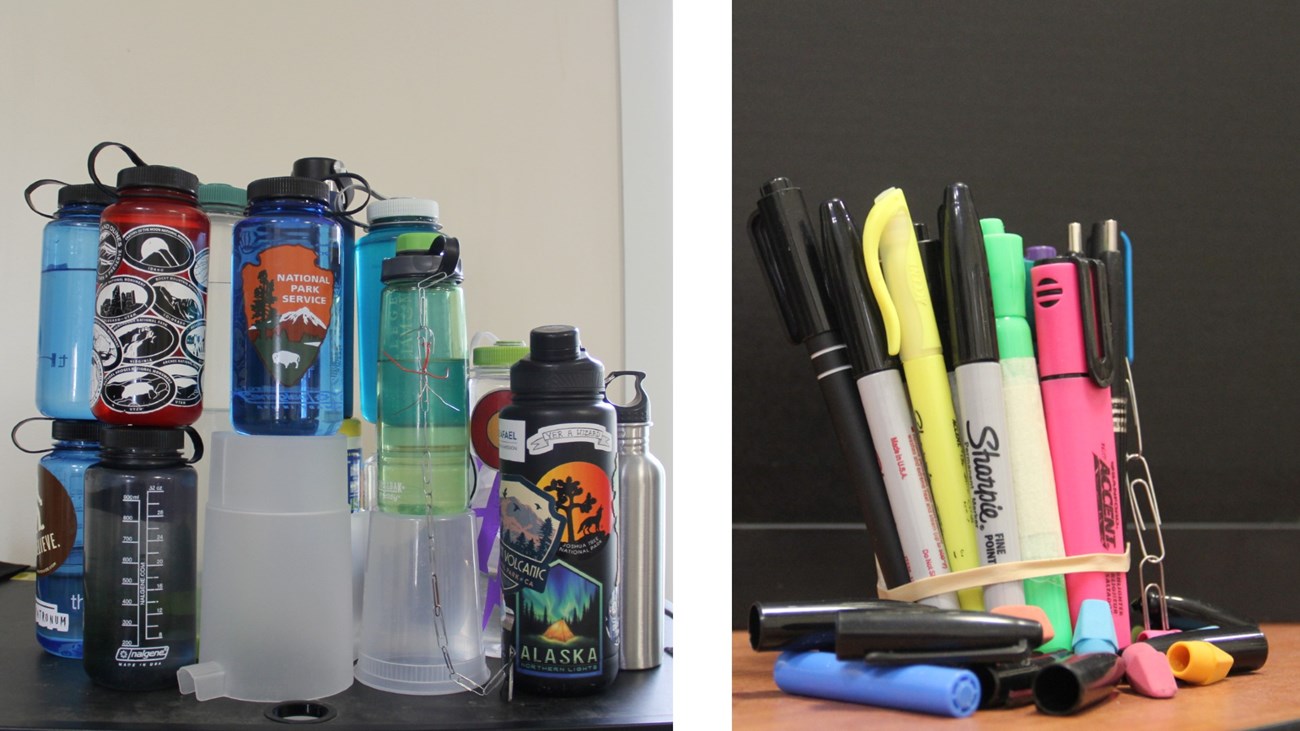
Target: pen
{"type": "Point", "coordinates": [1037, 513]}
{"type": "Point", "coordinates": [932, 262]}
{"type": "Point", "coordinates": [893, 267]}
{"type": "Point", "coordinates": [785, 243]}
{"type": "Point", "coordinates": [1070, 304]}
{"type": "Point", "coordinates": [889, 415]}
{"type": "Point", "coordinates": [1103, 245]}
{"type": "Point", "coordinates": [942, 691]}
{"type": "Point", "coordinates": [981, 411]}
{"type": "Point", "coordinates": [941, 636]}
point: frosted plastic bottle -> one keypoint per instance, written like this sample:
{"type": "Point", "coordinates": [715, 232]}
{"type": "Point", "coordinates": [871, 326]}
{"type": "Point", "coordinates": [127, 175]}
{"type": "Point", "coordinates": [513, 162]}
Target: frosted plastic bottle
{"type": "Point", "coordinates": [65, 334]}
{"type": "Point", "coordinates": [388, 220]}
{"type": "Point", "coordinates": [286, 346]}
{"type": "Point", "coordinates": [224, 205]}
{"type": "Point", "coordinates": [60, 565]}
{"type": "Point", "coordinates": [423, 410]}
{"type": "Point", "coordinates": [141, 515]}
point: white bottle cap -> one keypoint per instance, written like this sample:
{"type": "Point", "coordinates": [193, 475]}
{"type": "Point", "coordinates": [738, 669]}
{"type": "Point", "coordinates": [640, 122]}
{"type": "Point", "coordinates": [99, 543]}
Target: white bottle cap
{"type": "Point", "coordinates": [401, 208]}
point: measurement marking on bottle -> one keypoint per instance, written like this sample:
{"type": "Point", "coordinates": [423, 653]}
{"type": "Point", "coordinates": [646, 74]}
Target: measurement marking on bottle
{"type": "Point", "coordinates": [144, 577]}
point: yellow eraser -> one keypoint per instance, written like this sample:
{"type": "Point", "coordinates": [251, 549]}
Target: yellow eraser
{"type": "Point", "coordinates": [1198, 662]}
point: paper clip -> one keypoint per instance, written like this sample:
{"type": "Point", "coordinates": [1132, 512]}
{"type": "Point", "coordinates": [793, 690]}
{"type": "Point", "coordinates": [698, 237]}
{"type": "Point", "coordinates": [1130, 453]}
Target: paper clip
{"type": "Point", "coordinates": [1139, 478]}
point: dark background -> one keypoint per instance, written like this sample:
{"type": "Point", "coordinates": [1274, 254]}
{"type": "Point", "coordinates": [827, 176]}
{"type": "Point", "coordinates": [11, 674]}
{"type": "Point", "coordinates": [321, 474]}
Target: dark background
{"type": "Point", "coordinates": [1181, 121]}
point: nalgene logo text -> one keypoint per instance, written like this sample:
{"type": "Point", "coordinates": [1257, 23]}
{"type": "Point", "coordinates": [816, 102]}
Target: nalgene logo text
{"type": "Point", "coordinates": [142, 654]}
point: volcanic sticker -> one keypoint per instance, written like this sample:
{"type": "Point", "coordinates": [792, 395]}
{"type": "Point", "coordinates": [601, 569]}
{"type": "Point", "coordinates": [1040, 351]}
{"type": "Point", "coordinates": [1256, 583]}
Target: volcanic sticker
{"type": "Point", "coordinates": [288, 300]}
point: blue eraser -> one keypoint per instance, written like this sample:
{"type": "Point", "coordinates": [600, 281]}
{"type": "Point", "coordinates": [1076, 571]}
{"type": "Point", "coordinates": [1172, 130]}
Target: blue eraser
{"type": "Point", "coordinates": [1095, 629]}
{"type": "Point", "coordinates": [942, 691]}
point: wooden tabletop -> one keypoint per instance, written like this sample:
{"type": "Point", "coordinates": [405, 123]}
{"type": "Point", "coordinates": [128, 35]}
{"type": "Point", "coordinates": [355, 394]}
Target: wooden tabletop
{"type": "Point", "coordinates": [1268, 696]}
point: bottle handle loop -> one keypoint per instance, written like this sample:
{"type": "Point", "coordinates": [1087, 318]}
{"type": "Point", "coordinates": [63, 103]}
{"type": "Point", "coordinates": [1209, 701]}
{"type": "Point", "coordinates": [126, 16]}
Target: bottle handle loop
{"type": "Point", "coordinates": [27, 194]}
{"type": "Point", "coordinates": [13, 435]}
{"type": "Point", "coordinates": [198, 444]}
{"type": "Point", "coordinates": [94, 153]}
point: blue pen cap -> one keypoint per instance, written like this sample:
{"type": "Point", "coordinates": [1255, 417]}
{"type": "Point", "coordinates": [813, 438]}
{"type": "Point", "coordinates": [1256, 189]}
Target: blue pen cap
{"type": "Point", "coordinates": [1095, 630]}
{"type": "Point", "coordinates": [942, 691]}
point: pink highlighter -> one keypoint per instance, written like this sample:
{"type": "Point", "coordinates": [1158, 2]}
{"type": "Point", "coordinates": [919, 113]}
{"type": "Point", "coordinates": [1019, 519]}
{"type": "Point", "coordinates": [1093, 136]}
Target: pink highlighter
{"type": "Point", "coordinates": [1075, 368]}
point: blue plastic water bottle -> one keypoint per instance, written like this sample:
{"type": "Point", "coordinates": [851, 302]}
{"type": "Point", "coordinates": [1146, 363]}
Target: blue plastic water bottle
{"type": "Point", "coordinates": [69, 257]}
{"type": "Point", "coordinates": [60, 562]}
{"type": "Point", "coordinates": [388, 219]}
{"type": "Point", "coordinates": [287, 346]}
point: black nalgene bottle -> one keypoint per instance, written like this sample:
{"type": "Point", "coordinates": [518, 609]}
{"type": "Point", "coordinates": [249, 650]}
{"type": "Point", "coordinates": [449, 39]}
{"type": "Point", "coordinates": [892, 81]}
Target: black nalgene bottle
{"type": "Point", "coordinates": [140, 550]}
{"type": "Point", "coordinates": [558, 553]}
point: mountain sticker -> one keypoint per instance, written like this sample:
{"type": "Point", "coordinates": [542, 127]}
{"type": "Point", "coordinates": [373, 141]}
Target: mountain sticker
{"type": "Point", "coordinates": [288, 300]}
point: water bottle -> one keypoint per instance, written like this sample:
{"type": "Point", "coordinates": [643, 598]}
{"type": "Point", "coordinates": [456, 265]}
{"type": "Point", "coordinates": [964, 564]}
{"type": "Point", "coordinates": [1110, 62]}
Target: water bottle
{"type": "Point", "coordinates": [489, 392]}
{"type": "Point", "coordinates": [150, 304]}
{"type": "Point", "coordinates": [141, 518]}
{"type": "Point", "coordinates": [558, 555]}
{"type": "Point", "coordinates": [423, 415]}
{"type": "Point", "coordinates": [224, 205]}
{"type": "Point", "coordinates": [60, 567]}
{"type": "Point", "coordinates": [66, 330]}
{"type": "Point", "coordinates": [388, 219]}
{"type": "Point", "coordinates": [332, 172]}
{"type": "Point", "coordinates": [286, 347]}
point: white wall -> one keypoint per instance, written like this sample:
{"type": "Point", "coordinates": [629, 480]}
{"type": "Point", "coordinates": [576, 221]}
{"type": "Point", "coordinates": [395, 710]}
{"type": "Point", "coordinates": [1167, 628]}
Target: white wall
{"type": "Point", "coordinates": [508, 113]}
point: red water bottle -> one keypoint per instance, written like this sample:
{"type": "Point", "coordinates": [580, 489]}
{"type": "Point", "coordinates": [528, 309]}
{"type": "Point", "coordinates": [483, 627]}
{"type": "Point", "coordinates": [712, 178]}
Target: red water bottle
{"type": "Point", "coordinates": [151, 299]}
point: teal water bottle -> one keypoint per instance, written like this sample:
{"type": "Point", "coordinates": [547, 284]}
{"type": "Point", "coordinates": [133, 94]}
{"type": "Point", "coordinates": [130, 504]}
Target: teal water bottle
{"type": "Point", "coordinates": [423, 395]}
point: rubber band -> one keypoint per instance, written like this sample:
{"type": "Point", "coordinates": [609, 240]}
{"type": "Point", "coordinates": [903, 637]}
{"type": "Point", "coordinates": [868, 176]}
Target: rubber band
{"type": "Point", "coordinates": [1003, 572]}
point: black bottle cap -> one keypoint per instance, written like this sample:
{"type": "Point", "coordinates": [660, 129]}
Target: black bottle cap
{"type": "Point", "coordinates": [289, 187]}
{"type": "Point", "coordinates": [966, 267]}
{"type": "Point", "coordinates": [638, 410]}
{"type": "Point", "coordinates": [808, 625]}
{"type": "Point", "coordinates": [74, 430]}
{"type": "Point", "coordinates": [84, 193]}
{"type": "Point", "coordinates": [158, 176]}
{"type": "Point", "coordinates": [317, 168]}
{"type": "Point", "coordinates": [856, 309]}
{"type": "Point", "coordinates": [932, 262]}
{"type": "Point", "coordinates": [422, 254]}
{"type": "Point", "coordinates": [1078, 682]}
{"type": "Point", "coordinates": [557, 364]}
{"type": "Point", "coordinates": [142, 438]}
{"type": "Point", "coordinates": [786, 246]}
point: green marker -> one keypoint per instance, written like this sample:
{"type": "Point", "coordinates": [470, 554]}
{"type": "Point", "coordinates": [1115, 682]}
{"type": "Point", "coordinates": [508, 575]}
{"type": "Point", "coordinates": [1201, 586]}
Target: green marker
{"type": "Point", "coordinates": [1038, 517]}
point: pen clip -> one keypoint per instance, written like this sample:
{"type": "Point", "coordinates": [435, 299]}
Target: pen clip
{"type": "Point", "coordinates": [1128, 292]}
{"type": "Point", "coordinates": [768, 256]}
{"type": "Point", "coordinates": [1006, 653]}
{"type": "Point", "coordinates": [1094, 301]}
{"type": "Point", "coordinates": [872, 230]}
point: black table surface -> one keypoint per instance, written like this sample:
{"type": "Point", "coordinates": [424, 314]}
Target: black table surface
{"type": "Point", "coordinates": [38, 690]}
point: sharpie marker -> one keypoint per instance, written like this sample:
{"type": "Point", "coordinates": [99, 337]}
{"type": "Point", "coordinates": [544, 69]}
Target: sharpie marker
{"type": "Point", "coordinates": [982, 417]}
{"type": "Point", "coordinates": [897, 279]}
{"type": "Point", "coordinates": [786, 247]}
{"type": "Point", "coordinates": [1073, 326]}
{"type": "Point", "coordinates": [889, 414]}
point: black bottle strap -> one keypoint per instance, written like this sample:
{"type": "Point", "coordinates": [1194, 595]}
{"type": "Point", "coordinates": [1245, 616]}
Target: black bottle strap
{"type": "Point", "coordinates": [27, 194]}
{"type": "Point", "coordinates": [13, 435]}
{"type": "Point", "coordinates": [94, 153]}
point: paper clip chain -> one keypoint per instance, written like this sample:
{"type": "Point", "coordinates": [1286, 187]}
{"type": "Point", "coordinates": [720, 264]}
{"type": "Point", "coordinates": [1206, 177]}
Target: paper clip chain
{"type": "Point", "coordinates": [1140, 480]}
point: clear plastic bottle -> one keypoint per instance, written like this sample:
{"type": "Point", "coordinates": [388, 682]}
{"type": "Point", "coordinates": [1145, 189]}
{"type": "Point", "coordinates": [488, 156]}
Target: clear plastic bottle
{"type": "Point", "coordinates": [423, 414]}
{"type": "Point", "coordinates": [286, 347]}
{"type": "Point", "coordinates": [489, 393]}
{"type": "Point", "coordinates": [224, 205]}
{"type": "Point", "coordinates": [69, 258]}
{"type": "Point", "coordinates": [60, 564]}
{"type": "Point", "coordinates": [388, 219]}
{"type": "Point", "coordinates": [141, 516]}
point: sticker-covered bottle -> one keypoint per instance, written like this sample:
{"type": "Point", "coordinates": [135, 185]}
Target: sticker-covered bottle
{"type": "Point", "coordinates": [287, 343]}
{"type": "Point", "coordinates": [151, 301]}
{"type": "Point", "coordinates": [559, 558]}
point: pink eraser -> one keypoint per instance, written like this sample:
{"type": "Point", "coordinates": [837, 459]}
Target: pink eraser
{"type": "Point", "coordinates": [1147, 671]}
{"type": "Point", "coordinates": [1147, 634]}
{"type": "Point", "coordinates": [1028, 611]}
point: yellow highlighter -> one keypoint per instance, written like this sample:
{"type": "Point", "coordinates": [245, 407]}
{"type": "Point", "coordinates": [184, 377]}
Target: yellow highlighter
{"type": "Point", "coordinates": [888, 239]}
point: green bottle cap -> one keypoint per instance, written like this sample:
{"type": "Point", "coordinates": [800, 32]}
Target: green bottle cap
{"type": "Point", "coordinates": [502, 353]}
{"type": "Point", "coordinates": [220, 194]}
{"type": "Point", "coordinates": [1006, 254]}
{"type": "Point", "coordinates": [419, 241]}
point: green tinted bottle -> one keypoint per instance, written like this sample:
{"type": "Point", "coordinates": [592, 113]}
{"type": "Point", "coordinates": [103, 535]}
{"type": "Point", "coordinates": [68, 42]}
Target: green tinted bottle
{"type": "Point", "coordinates": [423, 396]}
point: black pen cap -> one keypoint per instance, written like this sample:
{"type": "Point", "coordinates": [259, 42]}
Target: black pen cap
{"type": "Point", "coordinates": [858, 632]}
{"type": "Point", "coordinates": [809, 625]}
{"type": "Point", "coordinates": [1078, 682]}
{"type": "Point", "coordinates": [786, 246]}
{"type": "Point", "coordinates": [1009, 684]}
{"type": "Point", "coordinates": [1186, 613]}
{"type": "Point", "coordinates": [966, 268]}
{"type": "Point", "coordinates": [856, 313]}
{"type": "Point", "coordinates": [1247, 645]}
{"type": "Point", "coordinates": [932, 262]}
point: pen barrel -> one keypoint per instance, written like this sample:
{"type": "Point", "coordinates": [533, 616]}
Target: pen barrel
{"type": "Point", "coordinates": [936, 422]}
{"type": "Point", "coordinates": [898, 448]}
{"type": "Point", "coordinates": [982, 425]}
{"type": "Point", "coordinates": [834, 376]}
{"type": "Point", "coordinates": [942, 691]}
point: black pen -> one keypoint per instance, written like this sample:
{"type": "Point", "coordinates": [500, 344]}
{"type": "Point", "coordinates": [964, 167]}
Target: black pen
{"type": "Point", "coordinates": [786, 246]}
{"type": "Point", "coordinates": [1103, 245]}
